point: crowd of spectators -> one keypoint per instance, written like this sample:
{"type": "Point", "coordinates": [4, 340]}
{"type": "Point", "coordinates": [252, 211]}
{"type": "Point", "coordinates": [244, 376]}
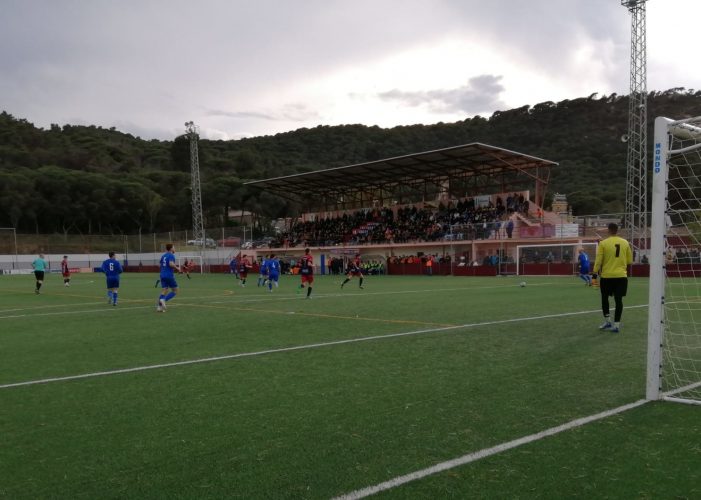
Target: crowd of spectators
{"type": "Point", "coordinates": [682, 256]}
{"type": "Point", "coordinates": [335, 266]}
{"type": "Point", "coordinates": [464, 220]}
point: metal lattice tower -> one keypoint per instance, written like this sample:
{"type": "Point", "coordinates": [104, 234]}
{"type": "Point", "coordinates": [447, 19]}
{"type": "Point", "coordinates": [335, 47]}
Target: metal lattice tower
{"type": "Point", "coordinates": [636, 216]}
{"type": "Point", "coordinates": [197, 216]}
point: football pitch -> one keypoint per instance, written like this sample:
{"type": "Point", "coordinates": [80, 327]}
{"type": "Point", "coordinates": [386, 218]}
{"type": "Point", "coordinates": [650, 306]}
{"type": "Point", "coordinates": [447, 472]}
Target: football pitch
{"type": "Point", "coordinates": [241, 393]}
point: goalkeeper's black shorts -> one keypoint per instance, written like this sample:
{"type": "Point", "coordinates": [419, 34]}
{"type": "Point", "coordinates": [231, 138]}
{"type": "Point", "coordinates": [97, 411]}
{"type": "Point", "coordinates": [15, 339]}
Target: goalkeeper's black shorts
{"type": "Point", "coordinates": [617, 287]}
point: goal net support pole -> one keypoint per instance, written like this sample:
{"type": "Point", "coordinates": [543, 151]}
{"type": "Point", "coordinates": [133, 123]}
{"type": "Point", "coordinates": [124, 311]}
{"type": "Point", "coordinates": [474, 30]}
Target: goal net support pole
{"type": "Point", "coordinates": [657, 259]}
{"type": "Point", "coordinates": [674, 297]}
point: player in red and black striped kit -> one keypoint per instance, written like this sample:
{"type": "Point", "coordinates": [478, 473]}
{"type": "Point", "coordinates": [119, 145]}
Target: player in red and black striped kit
{"type": "Point", "coordinates": [354, 270]}
{"type": "Point", "coordinates": [66, 271]}
{"type": "Point", "coordinates": [306, 271]}
{"type": "Point", "coordinates": [244, 266]}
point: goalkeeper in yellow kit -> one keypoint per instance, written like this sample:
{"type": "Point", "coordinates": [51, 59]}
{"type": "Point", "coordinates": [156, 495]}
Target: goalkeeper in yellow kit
{"type": "Point", "coordinates": [613, 256]}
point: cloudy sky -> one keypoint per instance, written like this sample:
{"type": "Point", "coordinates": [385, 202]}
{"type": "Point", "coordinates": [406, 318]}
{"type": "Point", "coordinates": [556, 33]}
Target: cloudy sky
{"type": "Point", "coordinates": [245, 68]}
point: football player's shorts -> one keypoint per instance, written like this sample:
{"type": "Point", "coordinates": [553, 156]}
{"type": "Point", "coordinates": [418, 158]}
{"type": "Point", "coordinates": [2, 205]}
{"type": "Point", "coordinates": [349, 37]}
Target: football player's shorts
{"type": "Point", "coordinates": [168, 283]}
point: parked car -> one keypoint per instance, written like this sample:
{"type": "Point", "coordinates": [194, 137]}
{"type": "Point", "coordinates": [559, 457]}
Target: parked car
{"type": "Point", "coordinates": [208, 242]}
{"type": "Point", "coordinates": [263, 242]}
{"type": "Point", "coordinates": [231, 241]}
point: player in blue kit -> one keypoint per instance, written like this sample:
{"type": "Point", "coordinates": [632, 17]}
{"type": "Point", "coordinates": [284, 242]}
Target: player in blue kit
{"type": "Point", "coordinates": [263, 271]}
{"type": "Point", "coordinates": [234, 267]}
{"type": "Point", "coordinates": [584, 267]}
{"type": "Point", "coordinates": [112, 269]}
{"type": "Point", "coordinates": [168, 266]}
{"type": "Point", "coordinates": [273, 272]}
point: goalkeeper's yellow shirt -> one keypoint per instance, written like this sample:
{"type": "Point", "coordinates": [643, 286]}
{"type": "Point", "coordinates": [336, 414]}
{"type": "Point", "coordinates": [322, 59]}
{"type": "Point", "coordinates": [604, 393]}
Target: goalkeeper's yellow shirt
{"type": "Point", "coordinates": [613, 255]}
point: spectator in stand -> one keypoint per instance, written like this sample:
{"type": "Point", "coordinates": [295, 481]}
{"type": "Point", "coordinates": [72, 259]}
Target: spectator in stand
{"type": "Point", "coordinates": [509, 227]}
{"type": "Point", "coordinates": [429, 265]}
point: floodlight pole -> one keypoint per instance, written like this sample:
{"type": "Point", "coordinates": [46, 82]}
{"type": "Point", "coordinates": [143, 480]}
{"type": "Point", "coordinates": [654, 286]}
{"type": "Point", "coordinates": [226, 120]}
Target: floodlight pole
{"type": "Point", "coordinates": [197, 216]}
{"type": "Point", "coordinates": [636, 211]}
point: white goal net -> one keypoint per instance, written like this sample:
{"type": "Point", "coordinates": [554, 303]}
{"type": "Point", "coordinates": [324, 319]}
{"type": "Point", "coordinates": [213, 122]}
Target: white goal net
{"type": "Point", "coordinates": [560, 253]}
{"type": "Point", "coordinates": [674, 340]}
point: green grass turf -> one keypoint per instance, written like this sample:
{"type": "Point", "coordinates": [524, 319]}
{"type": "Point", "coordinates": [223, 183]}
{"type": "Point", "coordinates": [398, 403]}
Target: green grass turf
{"type": "Point", "coordinates": [319, 422]}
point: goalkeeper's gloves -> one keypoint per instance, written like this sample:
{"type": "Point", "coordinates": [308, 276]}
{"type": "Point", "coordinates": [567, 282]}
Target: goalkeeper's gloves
{"type": "Point", "coordinates": [595, 276]}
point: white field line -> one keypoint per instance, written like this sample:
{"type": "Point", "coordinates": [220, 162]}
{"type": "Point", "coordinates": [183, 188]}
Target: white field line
{"type": "Point", "coordinates": [486, 452]}
{"type": "Point", "coordinates": [296, 348]}
{"type": "Point", "coordinates": [85, 311]}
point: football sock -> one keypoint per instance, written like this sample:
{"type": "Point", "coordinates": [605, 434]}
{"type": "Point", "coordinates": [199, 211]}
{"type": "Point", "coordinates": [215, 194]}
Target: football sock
{"type": "Point", "coordinates": [161, 297]}
{"type": "Point", "coordinates": [270, 285]}
{"type": "Point", "coordinates": [169, 296]}
{"type": "Point", "coordinates": [361, 282]}
{"type": "Point", "coordinates": [114, 297]}
{"type": "Point", "coordinates": [309, 291]}
{"type": "Point", "coordinates": [109, 294]}
{"type": "Point", "coordinates": [347, 280]}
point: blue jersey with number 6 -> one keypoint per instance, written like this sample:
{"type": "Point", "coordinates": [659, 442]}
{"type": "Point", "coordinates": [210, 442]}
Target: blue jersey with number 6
{"type": "Point", "coordinates": [112, 268]}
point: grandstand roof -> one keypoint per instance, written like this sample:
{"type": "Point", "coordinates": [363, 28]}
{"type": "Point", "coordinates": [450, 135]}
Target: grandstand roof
{"type": "Point", "coordinates": [469, 160]}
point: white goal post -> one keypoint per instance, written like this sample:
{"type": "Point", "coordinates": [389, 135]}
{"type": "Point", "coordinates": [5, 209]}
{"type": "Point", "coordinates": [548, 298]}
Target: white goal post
{"type": "Point", "coordinates": [674, 317]}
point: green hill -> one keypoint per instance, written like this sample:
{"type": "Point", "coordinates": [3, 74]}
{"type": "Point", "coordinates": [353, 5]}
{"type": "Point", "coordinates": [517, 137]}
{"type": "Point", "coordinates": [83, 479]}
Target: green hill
{"type": "Point", "coordinates": [91, 179]}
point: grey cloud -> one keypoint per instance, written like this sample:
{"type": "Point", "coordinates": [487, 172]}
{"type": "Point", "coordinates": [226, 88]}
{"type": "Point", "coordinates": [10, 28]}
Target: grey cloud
{"type": "Point", "coordinates": [289, 112]}
{"type": "Point", "coordinates": [155, 62]}
{"type": "Point", "coordinates": [481, 94]}
{"type": "Point", "coordinates": [240, 114]}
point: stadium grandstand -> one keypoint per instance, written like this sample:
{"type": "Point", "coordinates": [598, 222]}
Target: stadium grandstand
{"type": "Point", "coordinates": [472, 209]}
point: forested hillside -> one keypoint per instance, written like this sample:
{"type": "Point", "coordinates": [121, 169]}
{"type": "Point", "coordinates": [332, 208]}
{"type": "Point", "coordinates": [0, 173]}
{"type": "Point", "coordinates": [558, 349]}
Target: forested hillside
{"type": "Point", "coordinates": [90, 179]}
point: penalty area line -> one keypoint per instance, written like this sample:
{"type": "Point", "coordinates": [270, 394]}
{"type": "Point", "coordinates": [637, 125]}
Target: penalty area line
{"type": "Point", "coordinates": [296, 348]}
{"type": "Point", "coordinates": [486, 452]}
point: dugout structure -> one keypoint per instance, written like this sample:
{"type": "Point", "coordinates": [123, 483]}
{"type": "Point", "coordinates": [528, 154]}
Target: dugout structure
{"type": "Point", "coordinates": [430, 176]}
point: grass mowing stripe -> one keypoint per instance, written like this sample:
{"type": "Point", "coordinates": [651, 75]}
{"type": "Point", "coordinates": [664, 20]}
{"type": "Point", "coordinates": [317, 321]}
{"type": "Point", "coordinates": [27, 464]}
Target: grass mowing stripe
{"type": "Point", "coordinates": [263, 298]}
{"type": "Point", "coordinates": [297, 348]}
{"type": "Point", "coordinates": [267, 298]}
{"type": "Point", "coordinates": [317, 315]}
{"type": "Point", "coordinates": [472, 457]}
